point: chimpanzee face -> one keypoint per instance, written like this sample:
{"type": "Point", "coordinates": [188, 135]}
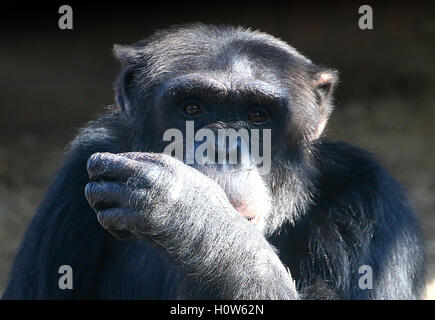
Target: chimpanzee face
{"type": "Point", "coordinates": [265, 93]}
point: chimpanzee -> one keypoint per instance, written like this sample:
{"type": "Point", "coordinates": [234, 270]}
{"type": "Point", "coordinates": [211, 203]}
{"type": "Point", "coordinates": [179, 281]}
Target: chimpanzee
{"type": "Point", "coordinates": [326, 222]}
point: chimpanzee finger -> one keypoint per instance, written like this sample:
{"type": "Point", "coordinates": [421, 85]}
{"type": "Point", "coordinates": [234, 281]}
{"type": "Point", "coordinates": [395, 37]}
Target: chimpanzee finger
{"type": "Point", "coordinates": [138, 156]}
{"type": "Point", "coordinates": [156, 158]}
{"type": "Point", "coordinates": [111, 166]}
{"type": "Point", "coordinates": [103, 194]}
{"type": "Point", "coordinates": [119, 221]}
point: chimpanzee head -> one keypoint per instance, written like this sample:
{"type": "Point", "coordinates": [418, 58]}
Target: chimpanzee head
{"type": "Point", "coordinates": [223, 78]}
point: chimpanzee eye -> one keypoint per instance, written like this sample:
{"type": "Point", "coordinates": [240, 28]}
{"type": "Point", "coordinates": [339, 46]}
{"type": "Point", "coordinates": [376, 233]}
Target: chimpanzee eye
{"type": "Point", "coordinates": [192, 109]}
{"type": "Point", "coordinates": [258, 116]}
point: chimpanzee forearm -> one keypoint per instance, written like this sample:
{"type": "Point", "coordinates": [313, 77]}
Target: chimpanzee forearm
{"type": "Point", "coordinates": [216, 246]}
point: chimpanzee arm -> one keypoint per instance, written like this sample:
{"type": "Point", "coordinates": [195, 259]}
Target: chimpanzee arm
{"type": "Point", "coordinates": [156, 197]}
{"type": "Point", "coordinates": [65, 231]}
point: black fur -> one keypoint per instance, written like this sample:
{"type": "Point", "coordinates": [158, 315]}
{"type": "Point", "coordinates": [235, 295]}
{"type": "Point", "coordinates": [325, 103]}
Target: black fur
{"type": "Point", "coordinates": [334, 207]}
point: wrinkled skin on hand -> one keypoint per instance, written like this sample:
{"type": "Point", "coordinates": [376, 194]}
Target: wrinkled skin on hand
{"type": "Point", "coordinates": [131, 191]}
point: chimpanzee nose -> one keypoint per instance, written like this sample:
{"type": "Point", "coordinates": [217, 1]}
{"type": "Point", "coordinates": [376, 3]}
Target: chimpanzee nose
{"type": "Point", "coordinates": [229, 151]}
{"type": "Point", "coordinates": [233, 152]}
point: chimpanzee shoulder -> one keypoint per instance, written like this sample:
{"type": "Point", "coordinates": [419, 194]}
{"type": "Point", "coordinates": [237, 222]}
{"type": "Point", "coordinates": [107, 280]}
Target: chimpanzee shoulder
{"type": "Point", "coordinates": [347, 169]}
{"type": "Point", "coordinates": [360, 206]}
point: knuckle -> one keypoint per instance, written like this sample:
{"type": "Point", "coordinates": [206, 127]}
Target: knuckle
{"type": "Point", "coordinates": [98, 161]}
{"type": "Point", "coordinates": [91, 191]}
{"type": "Point", "coordinates": [103, 219]}
{"type": "Point", "coordinates": [93, 163]}
{"type": "Point", "coordinates": [112, 219]}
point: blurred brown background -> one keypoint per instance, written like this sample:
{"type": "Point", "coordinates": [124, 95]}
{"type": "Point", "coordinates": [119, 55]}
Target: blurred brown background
{"type": "Point", "coordinates": [53, 81]}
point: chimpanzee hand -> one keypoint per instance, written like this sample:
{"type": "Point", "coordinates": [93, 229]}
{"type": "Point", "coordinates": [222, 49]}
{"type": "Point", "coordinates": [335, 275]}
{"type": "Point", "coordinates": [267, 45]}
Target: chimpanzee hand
{"type": "Point", "coordinates": [156, 197]}
{"type": "Point", "coordinates": [134, 194]}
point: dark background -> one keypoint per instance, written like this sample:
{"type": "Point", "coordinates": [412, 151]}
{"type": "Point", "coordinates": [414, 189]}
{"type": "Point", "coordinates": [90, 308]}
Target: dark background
{"type": "Point", "coordinates": [54, 81]}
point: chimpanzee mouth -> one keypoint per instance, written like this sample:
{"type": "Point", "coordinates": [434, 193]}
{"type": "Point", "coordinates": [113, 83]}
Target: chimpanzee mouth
{"type": "Point", "coordinates": [237, 183]}
{"type": "Point", "coordinates": [223, 176]}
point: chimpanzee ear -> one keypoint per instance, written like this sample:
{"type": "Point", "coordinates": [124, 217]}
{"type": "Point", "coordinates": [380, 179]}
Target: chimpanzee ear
{"type": "Point", "coordinates": [128, 56]}
{"type": "Point", "coordinates": [323, 82]}
{"type": "Point", "coordinates": [122, 88]}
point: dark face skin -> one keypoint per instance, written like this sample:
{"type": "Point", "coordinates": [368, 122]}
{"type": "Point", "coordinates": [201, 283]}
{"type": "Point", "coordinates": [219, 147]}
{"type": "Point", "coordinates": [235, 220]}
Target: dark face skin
{"type": "Point", "coordinates": [223, 101]}
{"type": "Point", "coordinates": [220, 102]}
